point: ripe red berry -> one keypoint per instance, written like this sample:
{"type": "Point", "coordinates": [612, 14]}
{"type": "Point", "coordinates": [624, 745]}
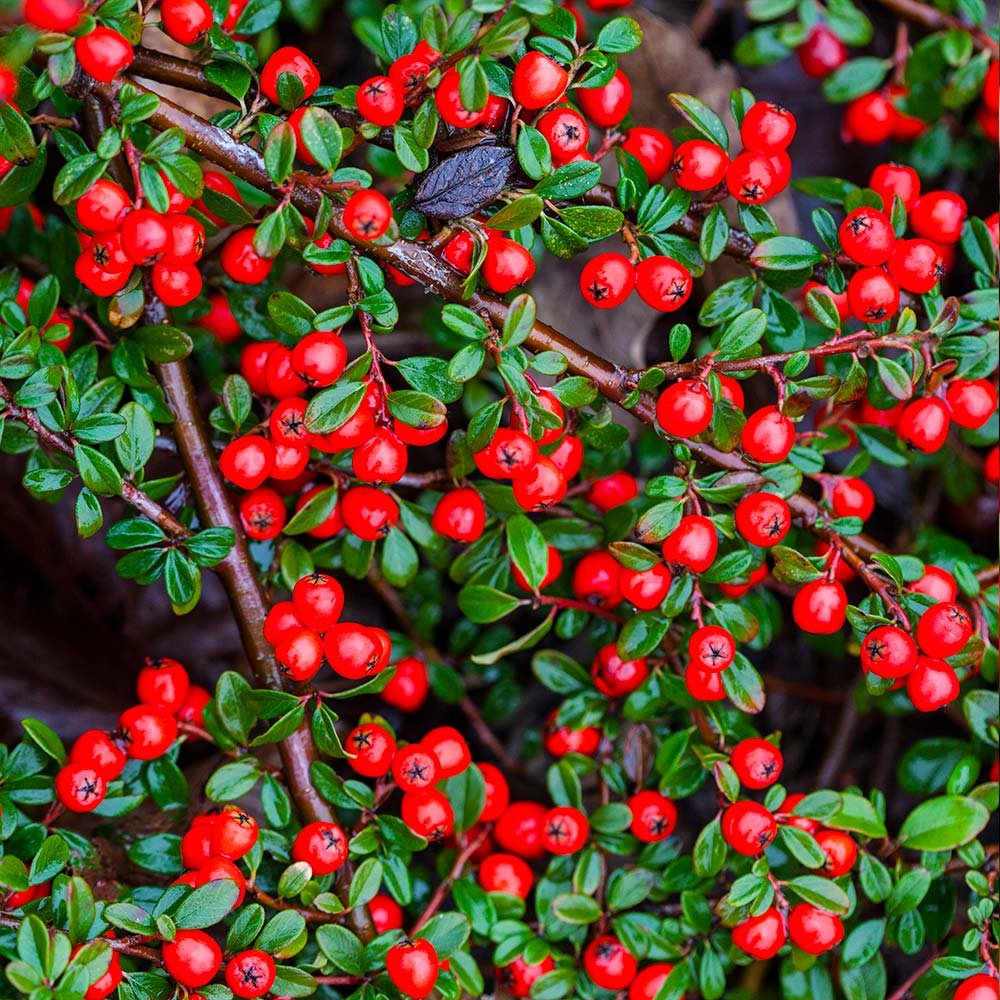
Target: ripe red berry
{"type": "Point", "coordinates": [380, 100]}
{"type": "Point", "coordinates": [541, 487]}
{"type": "Point", "coordinates": [519, 830]}
{"type": "Point", "coordinates": [972, 401]}
{"type": "Point", "coordinates": [561, 740]}
{"type": "Point", "coordinates": [538, 81]}
{"type": "Point", "coordinates": [413, 967]}
{"type": "Point", "coordinates": [164, 683]}
{"type": "Point", "coordinates": [685, 408]}
{"type": "Point", "coordinates": [519, 976]}
{"type": "Point", "coordinates": [408, 687]}
{"type": "Point", "coordinates": [102, 208]}
{"type": "Point", "coordinates": [891, 180]}
{"type": "Point", "coordinates": [241, 262]}
{"type": "Point", "coordinates": [380, 459]}
{"type": "Point", "coordinates": [53, 15]}
{"type": "Point", "coordinates": [509, 454]}
{"type": "Point", "coordinates": [450, 751]}
{"type": "Point", "coordinates": [924, 424]}
{"type": "Point", "coordinates": [186, 21]}
{"type": "Point", "coordinates": [322, 846]}
{"type": "Point", "coordinates": [250, 973]}
{"type": "Point", "coordinates": [368, 513]}
{"type": "Point", "coordinates": [145, 236]}
{"type": "Point", "coordinates": [295, 62]}
{"type": "Point", "coordinates": [386, 913]}
{"type": "Point", "coordinates": [219, 869]}
{"type": "Point", "coordinates": [104, 53]}
{"type": "Point", "coordinates": [767, 127]}
{"type": "Point", "coordinates": [757, 762]}
{"type": "Point", "coordinates": [821, 53]}
{"type": "Point", "coordinates": [564, 830]}
{"type": "Point", "coordinates": [888, 651]}
{"type": "Point", "coordinates": [981, 986]}
{"type": "Point", "coordinates": [507, 264]}
{"type": "Point", "coordinates": [760, 937]}
{"type": "Point", "coordinates": [299, 652]}
{"type": "Point", "coordinates": [841, 852]}
{"type": "Point", "coordinates": [506, 873]}
{"type": "Point", "coordinates": [654, 816]}
{"type": "Point", "coordinates": [612, 491]}
{"type": "Point", "coordinates": [318, 600]}
{"type": "Point", "coordinates": [652, 148]}
{"type": "Point", "coordinates": [751, 178]}
{"type": "Point", "coordinates": [936, 583]}
{"type": "Point", "coordinates": [869, 119]}
{"type": "Point", "coordinates": [234, 832]}
{"type": "Point", "coordinates": [147, 731]}
{"type": "Point", "coordinates": [497, 796]}
{"type": "Point", "coordinates": [176, 284]}
{"type": "Point", "coordinates": [872, 295]}
{"type": "Point", "coordinates": [428, 814]}
{"type": "Point", "coordinates": [193, 709]}
{"type": "Point", "coordinates": [663, 283]}
{"type": "Point", "coordinates": [607, 280]}
{"type": "Point", "coordinates": [80, 788]}
{"type": "Point", "coordinates": [711, 647]}
{"type": "Point", "coordinates": [319, 358]}
{"type": "Point", "coordinates": [185, 243]}
{"type": "Point", "coordinates": [939, 216]}
{"type": "Point", "coordinates": [866, 236]}
{"type": "Point", "coordinates": [460, 515]}
{"type": "Point", "coordinates": [615, 677]}
{"type": "Point", "coordinates": [943, 630]}
{"type": "Point", "coordinates": [932, 684]}
{"type": "Point", "coordinates": [692, 544]}
{"type": "Point", "coordinates": [763, 519]}
{"type": "Point", "coordinates": [246, 461]}
{"type": "Point", "coordinates": [646, 588]}
{"type": "Point", "coordinates": [100, 752]}
{"type": "Point", "coordinates": [106, 984]}
{"type": "Point", "coordinates": [566, 132]}
{"type": "Point", "coordinates": [192, 958]}
{"type": "Point", "coordinates": [219, 320]}
{"type": "Point", "coordinates": [607, 105]}
{"type": "Point", "coordinates": [852, 498]}
{"type": "Point", "coordinates": [820, 607]}
{"type": "Point", "coordinates": [699, 165]}
{"type": "Point", "coordinates": [610, 965]}
{"type": "Point", "coordinates": [767, 436]}
{"type": "Point", "coordinates": [748, 827]}
{"type": "Point", "coordinates": [356, 651]}
{"type": "Point", "coordinates": [448, 100]}
{"type": "Point", "coordinates": [553, 568]}
{"type": "Point", "coordinates": [814, 930]}
{"type": "Point", "coordinates": [196, 844]}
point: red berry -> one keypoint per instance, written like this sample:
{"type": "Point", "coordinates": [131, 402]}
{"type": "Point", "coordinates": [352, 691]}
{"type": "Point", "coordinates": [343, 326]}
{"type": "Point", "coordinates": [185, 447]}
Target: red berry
{"type": "Point", "coordinates": [460, 515]}
{"type": "Point", "coordinates": [841, 852]}
{"type": "Point", "coordinates": [246, 461]}
{"type": "Point", "coordinates": [757, 763]}
{"type": "Point", "coordinates": [872, 295]}
{"type": "Point", "coordinates": [104, 53]}
{"type": "Point", "coordinates": [295, 62]}
{"type": "Point", "coordinates": [253, 364]}
{"type": "Point", "coordinates": [615, 677]}
{"type": "Point", "coordinates": [821, 53]}
{"type": "Point", "coordinates": [99, 751]}
{"type": "Point", "coordinates": [241, 262]}
{"type": "Point", "coordinates": [367, 214]}
{"type": "Point", "coordinates": [386, 913]}
{"type": "Point", "coordinates": [612, 491]}
{"type": "Point", "coordinates": [250, 973]}
{"type": "Point", "coordinates": [147, 731]}
{"type": "Point", "coordinates": [888, 651]}
{"type": "Point", "coordinates": [652, 148]}
{"type": "Point", "coordinates": [698, 165]}
{"type": "Point", "coordinates": [80, 788]}
{"type": "Point", "coordinates": [108, 982]}
{"type": "Point", "coordinates": [820, 607]}
{"type": "Point", "coordinates": [767, 127]}
{"type": "Point", "coordinates": [53, 15]}
{"type": "Point", "coordinates": [814, 930]}
{"type": "Point", "coordinates": [507, 264]}
{"type": "Point", "coordinates": [322, 846]}
{"type": "Point", "coordinates": [924, 424]}
{"type": "Point", "coordinates": [646, 588]}
{"type": "Point", "coordinates": [751, 178]}
{"type": "Point", "coordinates": [943, 630]}
{"type": "Point", "coordinates": [234, 832]}
{"type": "Point", "coordinates": [102, 208]}
{"type": "Point", "coordinates": [380, 100]}
{"type": "Point", "coordinates": [972, 402]}
{"type": "Point", "coordinates": [607, 280]}
{"type": "Point", "coordinates": [609, 963]}
{"type": "Point", "coordinates": [220, 869]}
{"type": "Point", "coordinates": [553, 569]}
{"type": "Point", "coordinates": [890, 180]}
{"type": "Point", "coordinates": [318, 600]}
{"type": "Point", "coordinates": [704, 685]}
{"type": "Point", "coordinates": [763, 519]}
{"type": "Point", "coordinates": [869, 119]}
{"type": "Point", "coordinates": [932, 684]}
{"type": "Point", "coordinates": [767, 436]}
{"type": "Point", "coordinates": [518, 977]}
{"type": "Point", "coordinates": [219, 320]}
{"type": "Point", "coordinates": [428, 814]}
{"type": "Point", "coordinates": [448, 100]}
{"type": "Point", "coordinates": [565, 131]}
{"type": "Point", "coordinates": [685, 409]}
{"type": "Point", "coordinates": [561, 740]}
{"type": "Point", "coordinates": [369, 513]}
{"type": "Point", "coordinates": [981, 986]}
{"type": "Point", "coordinates": [541, 487]}
{"type": "Point", "coordinates": [413, 967]}
{"type": "Point", "coordinates": [497, 791]}
{"type": "Point", "coordinates": [380, 459]}
{"type": "Point", "coordinates": [564, 830]}
{"type": "Point", "coordinates": [867, 236]}
{"type": "Point", "coordinates": [607, 105]}
{"type": "Point", "coordinates": [506, 873]}
{"type": "Point", "coordinates": [299, 652]}
{"type": "Point", "coordinates": [663, 283]}
{"type": "Point", "coordinates": [193, 709]}
{"type": "Point", "coordinates": [164, 683]}
{"type": "Point", "coordinates": [408, 687]}
{"type": "Point", "coordinates": [936, 583]}
{"type": "Point", "coordinates": [145, 236]}
{"type": "Point", "coordinates": [711, 647]}
{"type": "Point", "coordinates": [654, 816]}
{"type": "Point", "coordinates": [939, 216]}
{"type": "Point", "coordinates": [450, 751]}
{"type": "Point", "coordinates": [761, 937]}
{"type": "Point", "coordinates": [355, 651]}
{"type": "Point", "coordinates": [519, 830]}
{"type": "Point", "coordinates": [692, 544]}
{"type": "Point", "coordinates": [186, 21]}
{"type": "Point", "coordinates": [748, 827]}
{"type": "Point", "coordinates": [538, 81]}
{"type": "Point", "coordinates": [176, 284]}
{"type": "Point", "coordinates": [192, 958]}
{"type": "Point", "coordinates": [186, 242]}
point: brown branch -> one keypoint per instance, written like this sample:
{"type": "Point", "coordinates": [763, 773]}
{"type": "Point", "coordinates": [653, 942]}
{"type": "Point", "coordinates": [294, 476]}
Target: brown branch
{"type": "Point", "coordinates": [434, 903]}
{"type": "Point", "coordinates": [937, 20]}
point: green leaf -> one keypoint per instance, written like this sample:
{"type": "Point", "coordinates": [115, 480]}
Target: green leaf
{"type": "Point", "coordinates": [206, 905]}
{"type": "Point", "coordinates": [821, 892]}
{"type": "Point", "coordinates": [342, 948]}
{"type": "Point", "coordinates": [322, 137]}
{"type": "Point", "coordinates": [944, 823]}
{"type": "Point", "coordinates": [854, 78]}
{"type": "Point", "coordinates": [785, 253]}
{"type": "Point", "coordinates": [366, 882]}
{"type": "Point", "coordinates": [702, 118]}
{"type": "Point", "coordinates": [97, 472]}
{"type": "Point", "coordinates": [620, 34]}
{"type": "Point", "coordinates": [575, 908]}
{"type": "Point", "coordinates": [528, 549]}
{"type": "Point", "coordinates": [483, 604]}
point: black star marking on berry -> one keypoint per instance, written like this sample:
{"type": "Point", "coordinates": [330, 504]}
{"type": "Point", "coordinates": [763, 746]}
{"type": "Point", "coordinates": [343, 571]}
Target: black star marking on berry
{"type": "Point", "coordinates": [752, 192]}
{"type": "Point", "coordinates": [859, 224]}
{"type": "Point", "coordinates": [368, 225]}
{"type": "Point", "coordinates": [330, 840]}
{"type": "Point", "coordinates": [774, 527]}
{"type": "Point", "coordinates": [957, 615]}
{"type": "Point", "coordinates": [713, 654]}
{"type": "Point", "coordinates": [243, 819]}
{"type": "Point", "coordinates": [570, 132]}
{"type": "Point", "coordinates": [597, 292]}
{"type": "Point", "coordinates": [877, 649]}
{"type": "Point", "coordinates": [250, 976]}
{"type": "Point", "coordinates": [677, 290]}
{"type": "Point", "coordinates": [374, 90]}
{"type": "Point", "coordinates": [101, 255]}
{"type": "Point", "coordinates": [677, 165]}
{"type": "Point", "coordinates": [415, 771]}
{"type": "Point", "coordinates": [557, 831]}
{"type": "Point", "coordinates": [261, 520]}
{"type": "Point", "coordinates": [293, 425]}
{"type": "Point", "coordinates": [86, 790]}
{"type": "Point", "coordinates": [657, 825]}
{"type": "Point", "coordinates": [362, 739]}
{"type": "Point", "coordinates": [875, 315]}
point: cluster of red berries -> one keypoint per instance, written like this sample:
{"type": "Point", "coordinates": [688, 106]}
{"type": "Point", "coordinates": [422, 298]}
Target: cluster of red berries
{"type": "Point", "coordinates": [307, 630]}
{"type": "Point", "coordinates": [193, 958]}
{"type": "Point", "coordinates": [145, 731]}
{"type": "Point", "coordinates": [506, 263]}
{"type": "Point", "coordinates": [125, 237]}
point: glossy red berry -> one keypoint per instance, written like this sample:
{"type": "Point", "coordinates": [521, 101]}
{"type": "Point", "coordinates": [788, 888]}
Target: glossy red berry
{"type": "Point", "coordinates": [813, 930]}
{"type": "Point", "coordinates": [186, 21]}
{"type": "Point", "coordinates": [414, 767]}
{"type": "Point", "coordinates": [692, 544]}
{"type": "Point", "coordinates": [428, 814]}
{"type": "Point", "coordinates": [943, 630]}
{"type": "Point", "coordinates": [767, 127]}
{"type": "Point", "coordinates": [866, 236]}
{"type": "Point", "coordinates": [892, 180]}
{"type": "Point", "coordinates": [510, 454]}
{"type": "Point", "coordinates": [234, 832]}
{"type": "Point", "coordinates": [250, 973]}
{"type": "Point", "coordinates": [164, 683]}
{"type": "Point", "coordinates": [322, 846]}
{"type": "Point", "coordinates": [869, 119]}
{"type": "Point", "coordinates": [663, 283]}
{"type": "Point", "coordinates": [538, 81]}
{"type": "Point", "coordinates": [564, 830]}
{"type": "Point", "coordinates": [219, 320]}
{"type": "Point", "coordinates": [841, 852]}
{"type": "Point", "coordinates": [761, 937]}
{"type": "Point", "coordinates": [246, 461]}
{"type": "Point", "coordinates": [561, 740]}
{"type": "Point", "coordinates": [646, 588]}
{"type": "Point", "coordinates": [497, 796]}
{"type": "Point", "coordinates": [981, 986]}
{"type": "Point", "coordinates": [296, 63]}
{"type": "Point", "coordinates": [186, 241]}
{"type": "Point", "coordinates": [192, 958]}
{"type": "Point", "coordinates": [606, 105]}
{"type": "Point", "coordinates": [612, 491]}
{"type": "Point", "coordinates": [820, 607]}
{"type": "Point", "coordinates": [888, 651]}
{"type": "Point", "coordinates": [368, 513]}
{"type": "Point", "coordinates": [380, 100]}
{"type": "Point", "coordinates": [542, 486]}
{"type": "Point", "coordinates": [99, 751]}
{"type": "Point", "coordinates": [507, 264]}
{"type": "Point", "coordinates": [147, 731]}
{"type": "Point", "coordinates": [519, 830]}
{"type": "Point", "coordinates": [460, 515]}
{"type": "Point", "coordinates": [685, 409]}
{"type": "Point", "coordinates": [53, 15]}
{"type": "Point", "coordinates": [751, 178]}
{"type": "Point", "coordinates": [318, 600]}
{"type": "Point", "coordinates": [652, 148]}
{"type": "Point", "coordinates": [176, 284]}
{"type": "Point", "coordinates": [380, 459]}
{"type": "Point", "coordinates": [413, 967]}
{"type": "Point", "coordinates": [757, 762]}
{"type": "Point", "coordinates": [106, 984]}
{"type": "Point", "coordinates": [80, 788]}
{"type": "Point", "coordinates": [241, 262]}
{"type": "Point", "coordinates": [936, 583]}
{"type": "Point", "coordinates": [566, 132]}
{"type": "Point", "coordinates": [939, 216]}
{"type": "Point", "coordinates": [506, 873]}
{"type": "Point", "coordinates": [607, 280]}
{"type": "Point", "coordinates": [972, 401]}
{"type": "Point", "coordinates": [448, 101]}
{"type": "Point", "coordinates": [356, 651]}
{"type": "Point", "coordinates": [386, 913]}
{"type": "Point", "coordinates": [615, 677]}
{"type": "Point", "coordinates": [367, 214]}
{"type": "Point", "coordinates": [931, 685]}
{"type": "Point", "coordinates": [654, 816]}
{"type": "Point", "coordinates": [193, 709]}
{"type": "Point", "coordinates": [852, 498]}
{"type": "Point", "coordinates": [145, 236]}
{"type": "Point", "coordinates": [821, 53]}
{"type": "Point", "coordinates": [924, 424]}
{"type": "Point", "coordinates": [299, 652]}
{"type": "Point", "coordinates": [408, 687]}
{"type": "Point", "coordinates": [698, 165]}
{"type": "Point", "coordinates": [519, 976]}
{"type": "Point", "coordinates": [711, 647]}
{"type": "Point", "coordinates": [767, 436]}
{"type": "Point", "coordinates": [103, 207]}
{"type": "Point", "coordinates": [104, 53]}
{"type": "Point", "coordinates": [448, 748]}
{"type": "Point", "coordinates": [553, 568]}
{"type": "Point", "coordinates": [610, 965]}
{"type": "Point", "coordinates": [748, 827]}
{"type": "Point", "coordinates": [763, 519]}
